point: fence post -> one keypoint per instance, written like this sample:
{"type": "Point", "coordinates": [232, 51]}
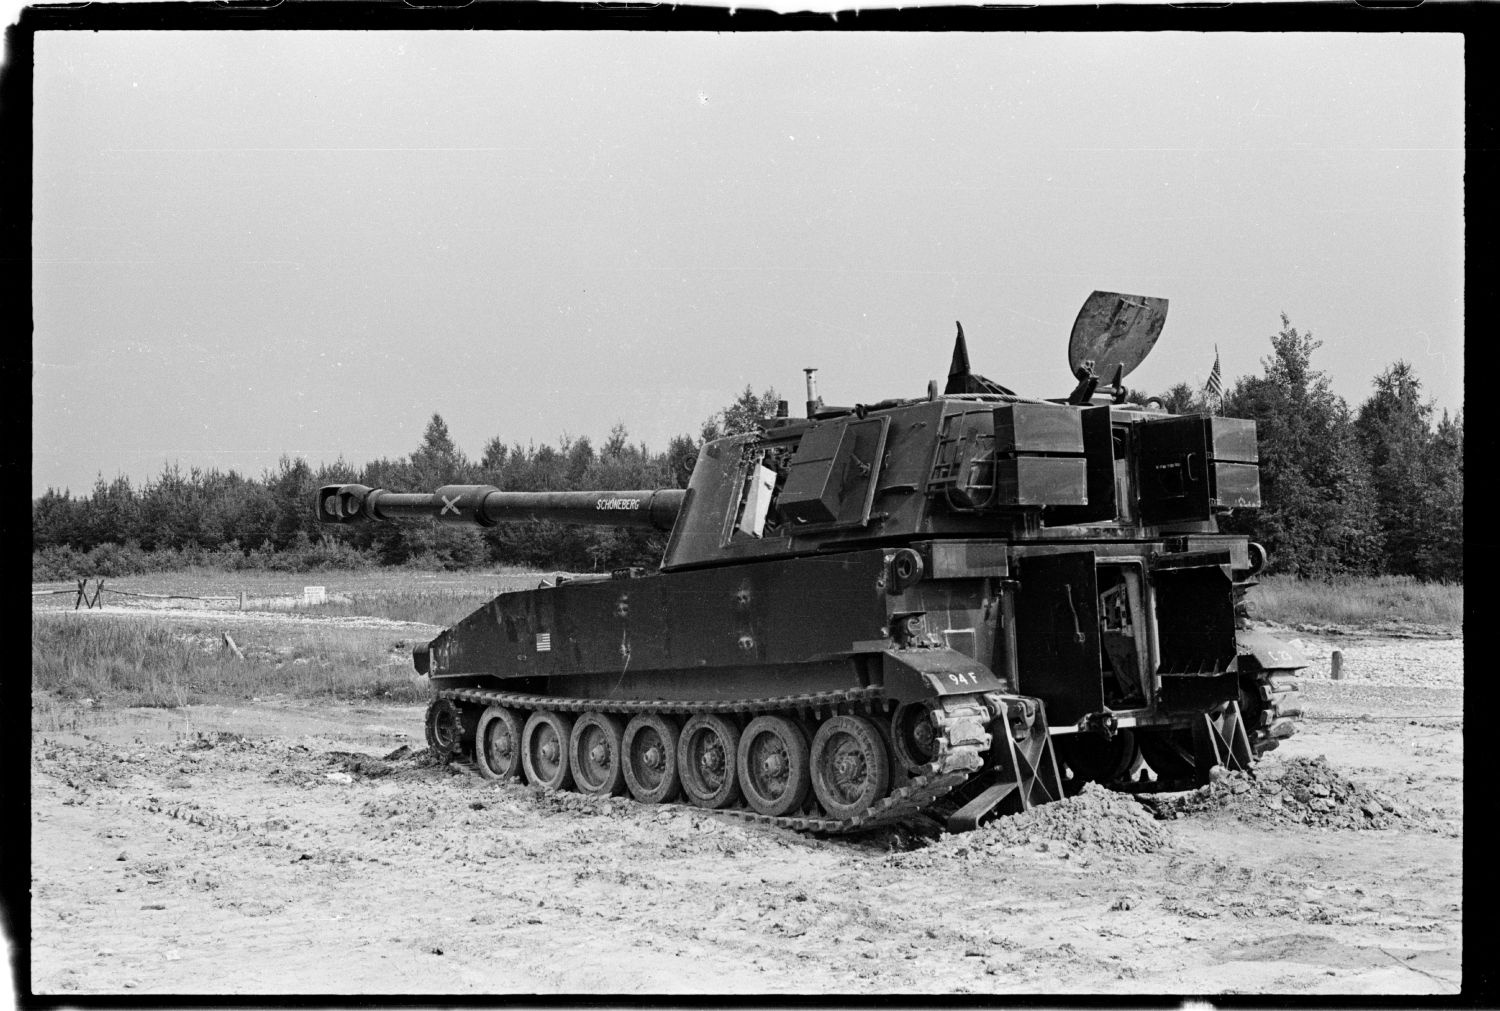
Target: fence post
{"type": "Point", "coordinates": [242, 600]}
{"type": "Point", "coordinates": [81, 584]}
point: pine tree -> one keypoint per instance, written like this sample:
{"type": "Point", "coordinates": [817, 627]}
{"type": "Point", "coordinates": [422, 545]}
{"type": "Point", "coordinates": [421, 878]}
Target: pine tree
{"type": "Point", "coordinates": [56, 519]}
{"type": "Point", "coordinates": [1394, 429]}
{"type": "Point", "coordinates": [493, 460]}
{"type": "Point", "coordinates": [1317, 517]}
{"type": "Point", "coordinates": [435, 463]}
{"type": "Point", "coordinates": [438, 461]}
{"type": "Point", "coordinates": [1441, 555]}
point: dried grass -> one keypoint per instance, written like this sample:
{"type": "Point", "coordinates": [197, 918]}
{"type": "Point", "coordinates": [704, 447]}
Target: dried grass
{"type": "Point", "coordinates": [1359, 601]}
{"type": "Point", "coordinates": [141, 662]}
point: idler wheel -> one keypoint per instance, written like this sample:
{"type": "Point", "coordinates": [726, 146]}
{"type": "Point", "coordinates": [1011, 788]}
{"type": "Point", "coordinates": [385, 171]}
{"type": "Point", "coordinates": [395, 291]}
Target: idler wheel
{"type": "Point", "coordinates": [445, 729]}
{"type": "Point", "coordinates": [773, 765]}
{"type": "Point", "coordinates": [650, 752]}
{"type": "Point", "coordinates": [706, 756]}
{"type": "Point", "coordinates": [497, 745]}
{"type": "Point", "coordinates": [851, 768]}
{"type": "Point", "coordinates": [544, 750]}
{"type": "Point", "coordinates": [595, 753]}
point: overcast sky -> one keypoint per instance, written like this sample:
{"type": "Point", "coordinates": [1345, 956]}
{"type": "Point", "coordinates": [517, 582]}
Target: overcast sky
{"type": "Point", "coordinates": [255, 243]}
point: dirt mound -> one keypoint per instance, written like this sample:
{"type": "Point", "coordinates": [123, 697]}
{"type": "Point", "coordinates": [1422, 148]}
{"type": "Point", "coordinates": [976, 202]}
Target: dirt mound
{"type": "Point", "coordinates": [558, 801]}
{"type": "Point", "coordinates": [366, 766]}
{"type": "Point", "coordinates": [216, 739]}
{"type": "Point", "coordinates": [1096, 819]}
{"type": "Point", "coordinates": [1306, 791]}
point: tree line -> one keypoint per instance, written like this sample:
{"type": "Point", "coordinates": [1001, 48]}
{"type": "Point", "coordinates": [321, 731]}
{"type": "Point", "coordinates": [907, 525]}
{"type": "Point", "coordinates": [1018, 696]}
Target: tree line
{"type": "Point", "coordinates": [213, 518]}
{"type": "Point", "coordinates": [1369, 491]}
{"type": "Point", "coordinates": [1376, 490]}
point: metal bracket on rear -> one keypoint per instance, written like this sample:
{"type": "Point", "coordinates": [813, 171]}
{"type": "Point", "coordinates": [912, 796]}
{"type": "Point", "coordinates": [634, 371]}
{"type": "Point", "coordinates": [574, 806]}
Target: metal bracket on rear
{"type": "Point", "coordinates": [1219, 738]}
{"type": "Point", "coordinates": [1021, 767]}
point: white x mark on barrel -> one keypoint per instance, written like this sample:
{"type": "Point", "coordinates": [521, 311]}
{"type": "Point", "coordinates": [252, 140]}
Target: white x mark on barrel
{"type": "Point", "coordinates": [449, 505]}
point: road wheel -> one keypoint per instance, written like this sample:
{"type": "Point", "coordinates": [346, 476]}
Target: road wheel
{"type": "Point", "coordinates": [497, 745]}
{"type": "Point", "coordinates": [850, 766]}
{"type": "Point", "coordinates": [773, 765]}
{"type": "Point", "coordinates": [706, 756]}
{"type": "Point", "coordinates": [594, 751]}
{"type": "Point", "coordinates": [544, 750]}
{"type": "Point", "coordinates": [650, 753]}
{"type": "Point", "coordinates": [913, 735]}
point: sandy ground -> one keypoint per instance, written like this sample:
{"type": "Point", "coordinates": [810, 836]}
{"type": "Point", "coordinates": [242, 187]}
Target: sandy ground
{"type": "Point", "coordinates": [273, 848]}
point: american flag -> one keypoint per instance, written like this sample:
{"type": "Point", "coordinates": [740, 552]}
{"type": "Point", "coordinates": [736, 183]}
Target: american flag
{"type": "Point", "coordinates": [1214, 384]}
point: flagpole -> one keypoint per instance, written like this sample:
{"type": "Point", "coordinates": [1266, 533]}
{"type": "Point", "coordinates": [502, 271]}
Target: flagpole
{"type": "Point", "coordinates": [1215, 382]}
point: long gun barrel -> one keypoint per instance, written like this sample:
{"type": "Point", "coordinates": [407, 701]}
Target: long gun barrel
{"type": "Point", "coordinates": [483, 505]}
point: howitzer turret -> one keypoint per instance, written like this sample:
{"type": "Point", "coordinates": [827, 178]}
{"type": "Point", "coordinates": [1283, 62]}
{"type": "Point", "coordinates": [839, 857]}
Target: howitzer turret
{"type": "Point", "coordinates": [956, 605]}
{"type": "Point", "coordinates": [485, 506]}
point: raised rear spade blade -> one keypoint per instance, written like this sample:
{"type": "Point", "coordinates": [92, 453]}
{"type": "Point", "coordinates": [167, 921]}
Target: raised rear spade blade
{"type": "Point", "coordinates": [1116, 332]}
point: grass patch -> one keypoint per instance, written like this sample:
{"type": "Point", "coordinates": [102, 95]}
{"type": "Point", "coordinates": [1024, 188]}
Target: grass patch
{"type": "Point", "coordinates": [210, 582]}
{"type": "Point", "coordinates": [134, 662]}
{"type": "Point", "coordinates": [432, 598]}
{"type": "Point", "coordinates": [435, 606]}
{"type": "Point", "coordinates": [1359, 601]}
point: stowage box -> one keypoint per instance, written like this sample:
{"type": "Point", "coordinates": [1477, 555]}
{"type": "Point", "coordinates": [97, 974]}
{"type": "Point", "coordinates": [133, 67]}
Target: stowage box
{"type": "Point", "coordinates": [1191, 465]}
{"type": "Point", "coordinates": [1039, 457]}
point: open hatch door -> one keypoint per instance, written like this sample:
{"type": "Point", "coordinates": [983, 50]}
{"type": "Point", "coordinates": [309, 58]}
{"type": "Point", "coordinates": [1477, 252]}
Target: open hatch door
{"type": "Point", "coordinates": [1057, 635]}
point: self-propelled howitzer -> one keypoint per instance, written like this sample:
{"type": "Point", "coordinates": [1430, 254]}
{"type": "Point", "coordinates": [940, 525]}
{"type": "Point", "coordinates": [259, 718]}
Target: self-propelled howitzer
{"type": "Point", "coordinates": [957, 604]}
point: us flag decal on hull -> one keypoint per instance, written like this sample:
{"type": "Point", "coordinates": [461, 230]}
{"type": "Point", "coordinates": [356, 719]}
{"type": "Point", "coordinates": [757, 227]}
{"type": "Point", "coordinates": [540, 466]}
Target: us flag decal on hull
{"type": "Point", "coordinates": [544, 642]}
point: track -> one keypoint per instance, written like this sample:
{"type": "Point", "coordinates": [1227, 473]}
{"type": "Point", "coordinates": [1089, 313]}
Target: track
{"type": "Point", "coordinates": [1269, 705]}
{"type": "Point", "coordinates": [958, 746]}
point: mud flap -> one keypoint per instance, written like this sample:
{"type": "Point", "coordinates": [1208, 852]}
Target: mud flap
{"type": "Point", "coordinates": [913, 675]}
{"type": "Point", "coordinates": [1219, 738]}
{"type": "Point", "coordinates": [1021, 769]}
{"type": "Point", "coordinates": [1262, 651]}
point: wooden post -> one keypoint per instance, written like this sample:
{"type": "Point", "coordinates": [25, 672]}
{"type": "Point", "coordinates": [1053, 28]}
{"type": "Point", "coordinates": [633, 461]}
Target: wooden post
{"type": "Point", "coordinates": [229, 642]}
{"type": "Point", "coordinates": [79, 602]}
{"type": "Point", "coordinates": [242, 600]}
{"type": "Point", "coordinates": [1338, 665]}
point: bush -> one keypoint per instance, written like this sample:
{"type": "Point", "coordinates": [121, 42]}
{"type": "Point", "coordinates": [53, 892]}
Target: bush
{"type": "Point", "coordinates": [56, 563]}
{"type": "Point", "coordinates": [105, 560]}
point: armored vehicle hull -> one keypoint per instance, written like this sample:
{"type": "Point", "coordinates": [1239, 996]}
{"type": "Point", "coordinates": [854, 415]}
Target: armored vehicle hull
{"type": "Point", "coordinates": [952, 606]}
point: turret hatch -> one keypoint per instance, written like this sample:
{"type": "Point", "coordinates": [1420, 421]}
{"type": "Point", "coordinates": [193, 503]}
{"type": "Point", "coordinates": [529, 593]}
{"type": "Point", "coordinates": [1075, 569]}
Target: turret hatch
{"type": "Point", "coordinates": [831, 477]}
